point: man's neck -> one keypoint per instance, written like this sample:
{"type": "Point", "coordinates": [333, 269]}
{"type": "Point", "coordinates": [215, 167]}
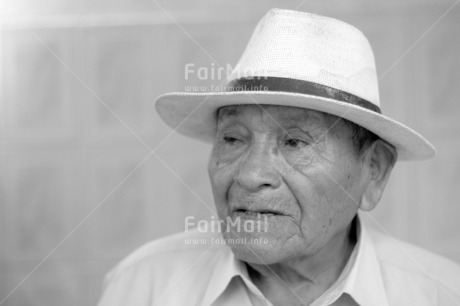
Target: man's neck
{"type": "Point", "coordinates": [303, 280]}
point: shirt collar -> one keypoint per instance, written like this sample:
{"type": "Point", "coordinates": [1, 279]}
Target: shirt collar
{"type": "Point", "coordinates": [365, 281]}
{"type": "Point", "coordinates": [361, 278]}
{"type": "Point", "coordinates": [227, 267]}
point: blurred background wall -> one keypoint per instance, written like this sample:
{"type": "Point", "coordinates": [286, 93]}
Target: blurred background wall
{"type": "Point", "coordinates": [79, 185]}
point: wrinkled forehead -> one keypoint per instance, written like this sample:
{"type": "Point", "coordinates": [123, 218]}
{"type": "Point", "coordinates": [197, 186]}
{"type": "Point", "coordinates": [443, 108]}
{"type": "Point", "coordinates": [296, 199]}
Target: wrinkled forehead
{"type": "Point", "coordinates": [277, 113]}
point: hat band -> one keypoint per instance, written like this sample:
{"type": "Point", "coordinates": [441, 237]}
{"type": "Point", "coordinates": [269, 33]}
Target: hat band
{"type": "Point", "coordinates": [261, 83]}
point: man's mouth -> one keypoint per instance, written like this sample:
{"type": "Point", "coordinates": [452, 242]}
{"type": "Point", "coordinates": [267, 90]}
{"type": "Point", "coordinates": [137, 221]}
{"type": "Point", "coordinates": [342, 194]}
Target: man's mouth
{"type": "Point", "coordinates": [256, 213]}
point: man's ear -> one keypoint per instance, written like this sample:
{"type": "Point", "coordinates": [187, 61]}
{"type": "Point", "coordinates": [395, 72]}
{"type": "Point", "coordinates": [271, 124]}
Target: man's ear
{"type": "Point", "coordinates": [379, 160]}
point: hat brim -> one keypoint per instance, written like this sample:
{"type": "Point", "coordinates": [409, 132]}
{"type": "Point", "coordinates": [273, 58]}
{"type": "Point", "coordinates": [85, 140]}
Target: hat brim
{"type": "Point", "coordinates": [194, 115]}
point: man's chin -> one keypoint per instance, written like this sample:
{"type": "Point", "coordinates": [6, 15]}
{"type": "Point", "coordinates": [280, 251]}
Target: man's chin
{"type": "Point", "coordinates": [257, 248]}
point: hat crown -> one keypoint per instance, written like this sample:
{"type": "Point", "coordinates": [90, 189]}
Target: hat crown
{"type": "Point", "coordinates": [318, 49]}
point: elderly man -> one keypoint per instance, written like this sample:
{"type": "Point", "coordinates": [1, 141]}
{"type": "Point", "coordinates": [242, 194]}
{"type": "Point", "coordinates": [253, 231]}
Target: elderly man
{"type": "Point", "coordinates": [299, 146]}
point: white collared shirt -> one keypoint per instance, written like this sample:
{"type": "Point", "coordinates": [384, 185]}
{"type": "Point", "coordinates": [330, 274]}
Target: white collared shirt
{"type": "Point", "coordinates": [199, 269]}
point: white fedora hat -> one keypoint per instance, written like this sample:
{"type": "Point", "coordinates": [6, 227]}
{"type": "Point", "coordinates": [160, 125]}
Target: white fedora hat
{"type": "Point", "coordinates": [301, 60]}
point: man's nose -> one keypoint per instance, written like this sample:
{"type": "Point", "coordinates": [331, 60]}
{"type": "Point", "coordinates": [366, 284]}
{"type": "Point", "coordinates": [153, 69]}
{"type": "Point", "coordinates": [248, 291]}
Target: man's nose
{"type": "Point", "coordinates": [258, 169]}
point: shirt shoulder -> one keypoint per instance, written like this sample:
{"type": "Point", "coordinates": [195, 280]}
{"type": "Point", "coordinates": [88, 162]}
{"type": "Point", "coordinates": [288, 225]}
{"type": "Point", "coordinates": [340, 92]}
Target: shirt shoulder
{"type": "Point", "coordinates": [411, 269]}
{"type": "Point", "coordinates": [184, 245]}
{"type": "Point", "coordinates": [154, 272]}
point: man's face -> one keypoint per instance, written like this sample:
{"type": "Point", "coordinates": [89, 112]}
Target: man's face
{"type": "Point", "coordinates": [295, 168]}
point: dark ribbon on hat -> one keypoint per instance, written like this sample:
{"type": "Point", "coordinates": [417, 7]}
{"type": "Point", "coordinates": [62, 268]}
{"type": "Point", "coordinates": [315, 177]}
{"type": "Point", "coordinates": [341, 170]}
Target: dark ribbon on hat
{"type": "Point", "coordinates": [298, 86]}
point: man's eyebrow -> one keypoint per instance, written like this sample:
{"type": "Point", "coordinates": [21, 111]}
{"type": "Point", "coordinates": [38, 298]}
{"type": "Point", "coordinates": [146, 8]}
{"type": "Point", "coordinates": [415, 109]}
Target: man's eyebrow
{"type": "Point", "coordinates": [227, 112]}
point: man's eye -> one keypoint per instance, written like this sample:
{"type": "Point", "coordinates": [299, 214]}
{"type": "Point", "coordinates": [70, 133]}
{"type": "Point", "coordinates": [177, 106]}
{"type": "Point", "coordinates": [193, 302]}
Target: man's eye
{"type": "Point", "coordinates": [294, 142]}
{"type": "Point", "coordinates": [230, 139]}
